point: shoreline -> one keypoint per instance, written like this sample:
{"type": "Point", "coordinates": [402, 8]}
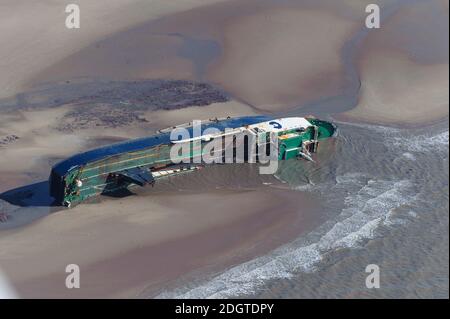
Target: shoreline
{"type": "Point", "coordinates": [344, 118]}
{"type": "Point", "coordinates": [146, 266]}
{"type": "Point", "coordinates": [124, 245]}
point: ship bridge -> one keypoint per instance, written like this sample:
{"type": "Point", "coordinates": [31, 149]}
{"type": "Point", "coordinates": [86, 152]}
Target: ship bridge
{"type": "Point", "coordinates": [281, 125]}
{"type": "Point", "coordinates": [269, 126]}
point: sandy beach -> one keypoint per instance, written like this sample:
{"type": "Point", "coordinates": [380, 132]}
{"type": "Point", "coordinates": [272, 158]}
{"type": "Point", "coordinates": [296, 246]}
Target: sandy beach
{"type": "Point", "coordinates": [262, 54]}
{"type": "Point", "coordinates": [36, 35]}
{"type": "Point", "coordinates": [132, 241]}
{"type": "Point", "coordinates": [253, 57]}
{"type": "Point", "coordinates": [404, 70]}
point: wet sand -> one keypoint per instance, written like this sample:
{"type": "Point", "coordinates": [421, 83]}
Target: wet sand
{"type": "Point", "coordinates": [269, 57]}
{"type": "Point", "coordinates": [136, 230]}
{"type": "Point", "coordinates": [279, 57]}
{"type": "Point", "coordinates": [249, 48]}
{"type": "Point", "coordinates": [402, 93]}
{"type": "Point", "coordinates": [37, 38]}
{"type": "Point", "coordinates": [276, 58]}
{"type": "Point", "coordinates": [146, 241]}
{"type": "Point", "coordinates": [404, 70]}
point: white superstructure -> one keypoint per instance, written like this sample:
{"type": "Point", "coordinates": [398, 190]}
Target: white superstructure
{"type": "Point", "coordinates": [282, 124]}
{"type": "Point", "coordinates": [275, 126]}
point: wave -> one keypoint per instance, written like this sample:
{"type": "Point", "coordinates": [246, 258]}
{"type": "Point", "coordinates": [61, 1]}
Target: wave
{"type": "Point", "coordinates": [401, 138]}
{"type": "Point", "coordinates": [371, 204]}
{"type": "Point", "coordinates": [362, 204]}
{"type": "Point", "coordinates": [423, 143]}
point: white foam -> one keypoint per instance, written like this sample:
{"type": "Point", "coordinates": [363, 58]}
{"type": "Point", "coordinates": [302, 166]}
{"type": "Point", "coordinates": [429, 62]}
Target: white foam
{"type": "Point", "coordinates": [422, 143]}
{"type": "Point", "coordinates": [409, 156]}
{"type": "Point", "coordinates": [373, 127]}
{"type": "Point", "coordinates": [418, 143]}
{"type": "Point", "coordinates": [412, 214]}
{"type": "Point", "coordinates": [368, 204]}
{"type": "Point", "coordinates": [366, 208]}
{"type": "Point", "coordinates": [304, 188]}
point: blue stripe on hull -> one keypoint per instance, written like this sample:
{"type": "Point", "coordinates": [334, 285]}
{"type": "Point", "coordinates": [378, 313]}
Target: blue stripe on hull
{"type": "Point", "coordinates": [142, 143]}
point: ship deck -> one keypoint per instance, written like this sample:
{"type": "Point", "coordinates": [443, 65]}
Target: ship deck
{"type": "Point", "coordinates": [82, 159]}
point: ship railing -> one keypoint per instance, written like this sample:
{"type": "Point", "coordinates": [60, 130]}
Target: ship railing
{"type": "Point", "coordinates": [208, 137]}
{"type": "Point", "coordinates": [189, 124]}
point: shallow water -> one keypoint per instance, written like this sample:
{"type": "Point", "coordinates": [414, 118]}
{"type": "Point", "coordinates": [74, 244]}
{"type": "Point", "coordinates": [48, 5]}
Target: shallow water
{"type": "Point", "coordinates": [387, 206]}
{"type": "Point", "coordinates": [383, 192]}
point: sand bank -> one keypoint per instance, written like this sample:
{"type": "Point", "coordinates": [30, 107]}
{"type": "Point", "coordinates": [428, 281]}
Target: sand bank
{"type": "Point", "coordinates": [404, 68]}
{"type": "Point", "coordinates": [34, 35]}
{"type": "Point", "coordinates": [396, 90]}
{"type": "Point", "coordinates": [268, 54]}
{"type": "Point", "coordinates": [41, 140]}
{"type": "Point", "coordinates": [273, 56]}
{"type": "Point", "coordinates": [168, 118]}
{"type": "Point", "coordinates": [139, 242]}
{"type": "Point", "coordinates": [280, 58]}
{"type": "Point", "coordinates": [145, 241]}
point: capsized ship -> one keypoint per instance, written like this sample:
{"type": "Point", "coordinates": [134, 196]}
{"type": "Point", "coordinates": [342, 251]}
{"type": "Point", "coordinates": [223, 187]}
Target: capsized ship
{"type": "Point", "coordinates": [145, 160]}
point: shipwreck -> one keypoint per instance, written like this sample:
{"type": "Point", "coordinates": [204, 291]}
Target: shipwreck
{"type": "Point", "coordinates": [143, 161]}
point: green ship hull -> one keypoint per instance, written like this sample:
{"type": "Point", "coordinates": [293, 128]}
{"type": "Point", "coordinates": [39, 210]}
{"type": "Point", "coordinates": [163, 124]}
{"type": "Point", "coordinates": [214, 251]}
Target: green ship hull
{"type": "Point", "coordinates": [143, 161]}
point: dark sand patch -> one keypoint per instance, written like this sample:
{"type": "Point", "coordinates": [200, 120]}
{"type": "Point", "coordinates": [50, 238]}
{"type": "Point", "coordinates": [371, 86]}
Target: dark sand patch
{"type": "Point", "coordinates": [272, 55]}
{"type": "Point", "coordinates": [113, 104]}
